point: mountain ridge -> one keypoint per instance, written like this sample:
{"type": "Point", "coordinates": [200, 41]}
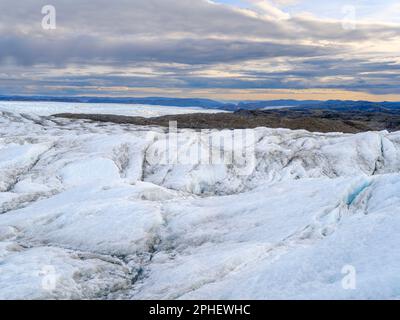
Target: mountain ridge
{"type": "Point", "coordinates": [220, 105]}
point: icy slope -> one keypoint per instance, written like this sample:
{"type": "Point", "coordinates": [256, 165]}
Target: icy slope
{"type": "Point", "coordinates": [92, 211]}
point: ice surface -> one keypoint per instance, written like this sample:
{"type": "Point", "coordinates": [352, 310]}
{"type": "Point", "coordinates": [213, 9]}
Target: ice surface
{"type": "Point", "coordinates": [49, 108]}
{"type": "Point", "coordinates": [90, 211]}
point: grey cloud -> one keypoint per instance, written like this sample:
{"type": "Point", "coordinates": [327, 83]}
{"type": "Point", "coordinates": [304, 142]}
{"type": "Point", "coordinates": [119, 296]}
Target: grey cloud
{"type": "Point", "coordinates": [163, 18]}
{"type": "Point", "coordinates": [88, 50]}
{"type": "Point", "coordinates": [196, 34]}
{"type": "Point", "coordinates": [302, 76]}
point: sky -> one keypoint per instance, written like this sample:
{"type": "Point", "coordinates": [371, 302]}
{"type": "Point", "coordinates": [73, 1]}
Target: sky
{"type": "Point", "coordinates": [224, 50]}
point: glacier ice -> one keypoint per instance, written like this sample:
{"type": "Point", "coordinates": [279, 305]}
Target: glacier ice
{"type": "Point", "coordinates": [89, 211]}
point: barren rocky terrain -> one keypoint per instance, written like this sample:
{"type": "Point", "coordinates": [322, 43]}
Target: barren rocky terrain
{"type": "Point", "coordinates": [314, 120]}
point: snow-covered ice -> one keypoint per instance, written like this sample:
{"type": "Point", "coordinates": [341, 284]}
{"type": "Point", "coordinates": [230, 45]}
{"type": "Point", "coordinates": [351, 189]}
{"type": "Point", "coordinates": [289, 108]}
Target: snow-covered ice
{"type": "Point", "coordinates": [89, 211]}
{"type": "Point", "coordinates": [49, 108]}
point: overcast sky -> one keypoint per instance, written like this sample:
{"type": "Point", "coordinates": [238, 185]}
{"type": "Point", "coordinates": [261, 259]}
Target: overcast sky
{"type": "Point", "coordinates": [226, 49]}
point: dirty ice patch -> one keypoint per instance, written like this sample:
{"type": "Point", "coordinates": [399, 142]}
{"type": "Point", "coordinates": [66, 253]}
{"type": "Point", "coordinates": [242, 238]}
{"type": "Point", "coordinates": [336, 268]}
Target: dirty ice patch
{"type": "Point", "coordinates": [54, 273]}
{"type": "Point", "coordinates": [17, 159]}
{"type": "Point", "coordinates": [108, 221]}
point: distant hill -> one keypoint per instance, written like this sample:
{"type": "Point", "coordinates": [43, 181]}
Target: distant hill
{"type": "Point", "coordinates": [161, 101]}
{"type": "Point", "coordinates": [334, 105]}
{"type": "Point", "coordinates": [340, 105]}
{"type": "Point", "coordinates": [254, 105]}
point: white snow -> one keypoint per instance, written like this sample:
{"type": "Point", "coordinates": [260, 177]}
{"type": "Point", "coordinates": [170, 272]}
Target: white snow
{"type": "Point", "coordinates": [95, 212]}
{"type": "Point", "coordinates": [49, 108]}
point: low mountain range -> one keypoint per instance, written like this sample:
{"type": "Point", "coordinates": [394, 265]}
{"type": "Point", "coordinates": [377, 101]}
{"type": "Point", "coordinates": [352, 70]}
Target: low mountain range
{"type": "Point", "coordinates": [336, 105]}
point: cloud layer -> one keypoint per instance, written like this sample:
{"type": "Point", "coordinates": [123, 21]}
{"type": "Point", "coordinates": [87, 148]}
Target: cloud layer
{"type": "Point", "coordinates": [118, 47]}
